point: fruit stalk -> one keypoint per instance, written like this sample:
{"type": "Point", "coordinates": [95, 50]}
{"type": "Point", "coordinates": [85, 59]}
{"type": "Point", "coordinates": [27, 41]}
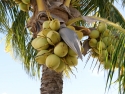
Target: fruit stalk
{"type": "Point", "coordinates": [41, 5]}
{"type": "Point", "coordinates": [67, 3]}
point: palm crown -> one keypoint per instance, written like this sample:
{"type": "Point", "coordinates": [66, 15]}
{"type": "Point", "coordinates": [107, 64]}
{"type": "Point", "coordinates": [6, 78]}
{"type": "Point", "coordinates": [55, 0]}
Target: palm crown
{"type": "Point", "coordinates": [14, 23]}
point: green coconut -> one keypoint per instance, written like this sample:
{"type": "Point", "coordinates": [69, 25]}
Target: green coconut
{"type": "Point", "coordinates": [26, 1]}
{"type": "Point", "coordinates": [92, 42]}
{"type": "Point", "coordinates": [106, 40]}
{"type": "Point", "coordinates": [55, 24]}
{"type": "Point", "coordinates": [71, 52]}
{"type": "Point", "coordinates": [46, 24]}
{"type": "Point", "coordinates": [110, 49]}
{"type": "Point", "coordinates": [102, 27]}
{"type": "Point", "coordinates": [52, 61]}
{"type": "Point", "coordinates": [107, 64]}
{"type": "Point", "coordinates": [106, 33]}
{"type": "Point", "coordinates": [61, 49]}
{"type": "Point", "coordinates": [71, 60]}
{"type": "Point", "coordinates": [53, 37]}
{"type": "Point", "coordinates": [40, 43]}
{"type": "Point", "coordinates": [23, 7]}
{"type": "Point", "coordinates": [94, 34]}
{"type": "Point", "coordinates": [101, 45]}
{"type": "Point", "coordinates": [41, 56]}
{"type": "Point", "coordinates": [61, 67]}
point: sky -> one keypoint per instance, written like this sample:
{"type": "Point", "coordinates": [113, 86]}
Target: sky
{"type": "Point", "coordinates": [14, 80]}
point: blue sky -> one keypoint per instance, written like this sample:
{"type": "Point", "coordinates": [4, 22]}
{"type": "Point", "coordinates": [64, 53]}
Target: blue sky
{"type": "Point", "coordinates": [14, 80]}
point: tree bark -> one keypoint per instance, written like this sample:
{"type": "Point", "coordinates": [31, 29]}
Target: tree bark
{"type": "Point", "coordinates": [51, 82]}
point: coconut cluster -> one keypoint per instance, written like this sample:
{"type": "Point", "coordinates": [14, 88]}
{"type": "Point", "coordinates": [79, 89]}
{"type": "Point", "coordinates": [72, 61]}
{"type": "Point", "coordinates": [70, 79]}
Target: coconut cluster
{"type": "Point", "coordinates": [52, 50]}
{"type": "Point", "coordinates": [102, 43]}
{"type": "Point", "coordinates": [23, 4]}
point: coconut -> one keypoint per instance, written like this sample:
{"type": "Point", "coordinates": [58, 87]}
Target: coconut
{"type": "Point", "coordinates": [94, 34]}
{"type": "Point", "coordinates": [102, 27]}
{"type": "Point", "coordinates": [46, 24]}
{"type": "Point", "coordinates": [106, 40]}
{"type": "Point", "coordinates": [92, 42]}
{"type": "Point", "coordinates": [26, 1]}
{"type": "Point", "coordinates": [61, 49]}
{"type": "Point", "coordinates": [103, 55]}
{"type": "Point", "coordinates": [52, 61]}
{"type": "Point", "coordinates": [61, 67]}
{"type": "Point", "coordinates": [110, 48]}
{"type": "Point", "coordinates": [106, 33]}
{"type": "Point", "coordinates": [40, 43]}
{"type": "Point", "coordinates": [107, 64]}
{"type": "Point", "coordinates": [41, 56]}
{"type": "Point", "coordinates": [71, 52]}
{"type": "Point", "coordinates": [45, 31]}
{"type": "Point", "coordinates": [101, 45]}
{"type": "Point", "coordinates": [71, 27]}
{"type": "Point", "coordinates": [71, 60]}
{"type": "Point", "coordinates": [40, 34]}
{"type": "Point", "coordinates": [23, 7]}
{"type": "Point", "coordinates": [53, 37]}
{"type": "Point", "coordinates": [79, 34]}
{"type": "Point", "coordinates": [55, 24]}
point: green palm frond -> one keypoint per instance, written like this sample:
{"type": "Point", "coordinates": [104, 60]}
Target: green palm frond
{"type": "Point", "coordinates": [21, 43]}
{"type": "Point", "coordinates": [8, 12]}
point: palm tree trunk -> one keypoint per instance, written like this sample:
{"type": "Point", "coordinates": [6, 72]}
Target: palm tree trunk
{"type": "Point", "coordinates": [51, 82]}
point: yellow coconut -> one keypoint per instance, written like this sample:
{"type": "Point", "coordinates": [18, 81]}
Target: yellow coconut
{"type": "Point", "coordinates": [94, 34]}
{"type": "Point", "coordinates": [79, 34]}
{"type": "Point", "coordinates": [40, 34]}
{"type": "Point", "coordinates": [46, 24]}
{"type": "Point", "coordinates": [40, 43]}
{"type": "Point", "coordinates": [71, 52]}
{"type": "Point", "coordinates": [55, 24]}
{"type": "Point", "coordinates": [61, 49]}
{"type": "Point", "coordinates": [71, 60]}
{"type": "Point", "coordinates": [102, 27]}
{"type": "Point", "coordinates": [23, 7]}
{"type": "Point", "coordinates": [61, 67]}
{"type": "Point", "coordinates": [53, 37]}
{"type": "Point", "coordinates": [41, 56]}
{"type": "Point", "coordinates": [92, 42]}
{"type": "Point", "coordinates": [71, 27]}
{"type": "Point", "coordinates": [26, 1]}
{"type": "Point", "coordinates": [45, 31]}
{"type": "Point", "coordinates": [52, 61]}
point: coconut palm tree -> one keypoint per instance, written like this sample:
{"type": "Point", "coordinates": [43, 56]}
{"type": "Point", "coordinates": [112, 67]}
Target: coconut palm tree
{"type": "Point", "coordinates": [22, 20]}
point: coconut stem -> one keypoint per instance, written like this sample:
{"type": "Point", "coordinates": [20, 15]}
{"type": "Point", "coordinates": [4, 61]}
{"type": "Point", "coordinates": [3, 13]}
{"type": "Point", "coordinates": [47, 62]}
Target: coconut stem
{"type": "Point", "coordinates": [67, 3]}
{"type": "Point", "coordinates": [41, 5]}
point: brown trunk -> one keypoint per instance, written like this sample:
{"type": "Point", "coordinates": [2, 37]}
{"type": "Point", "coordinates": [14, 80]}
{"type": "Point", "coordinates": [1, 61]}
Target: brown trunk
{"type": "Point", "coordinates": [51, 82]}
